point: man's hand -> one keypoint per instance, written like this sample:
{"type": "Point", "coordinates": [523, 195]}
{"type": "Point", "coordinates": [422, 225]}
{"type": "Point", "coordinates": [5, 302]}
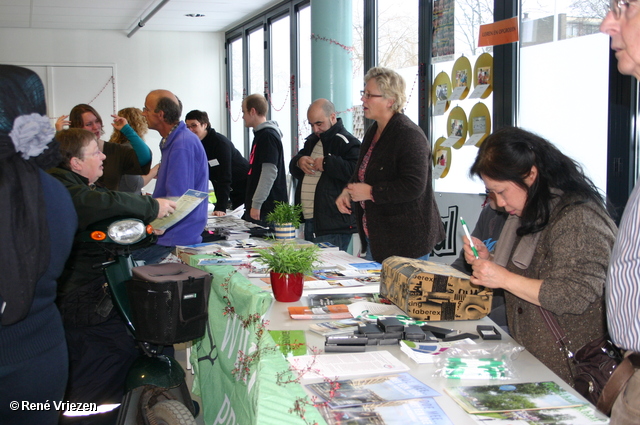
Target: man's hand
{"type": "Point", "coordinates": [307, 164]}
{"type": "Point", "coordinates": [254, 213]}
{"type": "Point", "coordinates": [218, 213]}
{"type": "Point", "coordinates": [343, 202]}
{"type": "Point", "coordinates": [167, 207]}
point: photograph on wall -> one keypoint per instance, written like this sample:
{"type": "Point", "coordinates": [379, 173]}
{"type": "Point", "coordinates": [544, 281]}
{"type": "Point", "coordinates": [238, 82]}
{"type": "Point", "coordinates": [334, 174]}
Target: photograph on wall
{"type": "Point", "coordinates": [443, 47]}
{"type": "Point", "coordinates": [483, 75]}
{"type": "Point", "coordinates": [479, 125]}
{"type": "Point", "coordinates": [456, 127]}
{"type": "Point", "coordinates": [461, 78]}
{"type": "Point", "coordinates": [442, 91]}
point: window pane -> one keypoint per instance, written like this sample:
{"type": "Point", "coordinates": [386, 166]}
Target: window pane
{"type": "Point", "coordinates": [304, 85]}
{"type": "Point", "coordinates": [357, 57]}
{"type": "Point", "coordinates": [256, 61]}
{"type": "Point", "coordinates": [558, 99]}
{"type": "Point", "coordinates": [398, 45]}
{"type": "Point", "coordinates": [236, 131]}
{"type": "Point", "coordinates": [280, 93]}
{"type": "Point", "coordinates": [456, 26]}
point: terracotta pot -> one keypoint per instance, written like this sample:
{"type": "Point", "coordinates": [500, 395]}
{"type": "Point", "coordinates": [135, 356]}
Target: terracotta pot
{"type": "Point", "coordinates": [287, 287]}
{"type": "Point", "coordinates": [285, 231]}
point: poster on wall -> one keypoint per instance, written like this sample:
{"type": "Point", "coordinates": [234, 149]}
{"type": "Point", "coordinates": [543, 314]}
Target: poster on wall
{"type": "Point", "coordinates": [443, 47]}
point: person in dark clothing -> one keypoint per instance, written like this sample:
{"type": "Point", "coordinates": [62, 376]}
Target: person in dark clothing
{"type": "Point", "coordinates": [227, 167]}
{"type": "Point", "coordinates": [100, 349]}
{"type": "Point", "coordinates": [322, 168]}
{"type": "Point", "coordinates": [37, 227]}
{"type": "Point", "coordinates": [267, 180]}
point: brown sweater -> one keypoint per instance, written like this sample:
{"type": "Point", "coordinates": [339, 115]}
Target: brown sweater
{"type": "Point", "coordinates": [571, 258]}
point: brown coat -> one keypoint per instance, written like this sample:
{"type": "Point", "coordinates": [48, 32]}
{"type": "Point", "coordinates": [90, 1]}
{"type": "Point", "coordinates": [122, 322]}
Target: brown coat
{"type": "Point", "coordinates": [403, 219]}
{"type": "Point", "coordinates": [571, 258]}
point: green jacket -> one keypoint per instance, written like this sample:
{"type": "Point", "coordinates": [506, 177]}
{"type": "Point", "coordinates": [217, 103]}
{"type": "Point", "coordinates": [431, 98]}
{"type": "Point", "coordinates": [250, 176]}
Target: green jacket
{"type": "Point", "coordinates": [94, 204]}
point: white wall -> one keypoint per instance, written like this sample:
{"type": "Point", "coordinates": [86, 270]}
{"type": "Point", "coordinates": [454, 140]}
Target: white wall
{"type": "Point", "coordinates": [190, 64]}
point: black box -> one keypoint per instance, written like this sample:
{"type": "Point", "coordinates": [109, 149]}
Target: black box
{"type": "Point", "coordinates": [168, 302]}
{"type": "Point", "coordinates": [371, 330]}
{"type": "Point", "coordinates": [390, 324]}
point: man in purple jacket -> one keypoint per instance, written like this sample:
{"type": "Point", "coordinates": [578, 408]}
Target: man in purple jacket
{"type": "Point", "coordinates": [183, 167]}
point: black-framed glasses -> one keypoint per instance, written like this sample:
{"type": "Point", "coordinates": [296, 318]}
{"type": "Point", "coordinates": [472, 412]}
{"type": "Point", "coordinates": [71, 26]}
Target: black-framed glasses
{"type": "Point", "coordinates": [367, 95]}
{"type": "Point", "coordinates": [619, 6]}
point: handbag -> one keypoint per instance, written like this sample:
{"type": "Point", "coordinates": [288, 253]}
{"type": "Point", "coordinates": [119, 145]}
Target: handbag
{"type": "Point", "coordinates": [591, 365]}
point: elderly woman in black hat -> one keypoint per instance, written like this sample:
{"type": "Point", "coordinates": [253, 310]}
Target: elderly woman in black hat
{"type": "Point", "coordinates": [36, 229]}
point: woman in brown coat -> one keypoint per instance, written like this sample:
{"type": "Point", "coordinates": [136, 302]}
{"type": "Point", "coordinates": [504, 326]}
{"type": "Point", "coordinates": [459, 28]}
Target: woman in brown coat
{"type": "Point", "coordinates": [554, 249]}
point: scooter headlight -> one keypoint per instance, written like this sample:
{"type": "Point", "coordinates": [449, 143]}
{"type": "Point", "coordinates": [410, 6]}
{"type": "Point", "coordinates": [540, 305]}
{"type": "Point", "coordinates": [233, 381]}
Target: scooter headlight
{"type": "Point", "coordinates": [127, 231]}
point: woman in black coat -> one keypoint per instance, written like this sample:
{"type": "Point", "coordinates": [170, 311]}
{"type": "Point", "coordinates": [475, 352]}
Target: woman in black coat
{"type": "Point", "coordinates": [391, 190]}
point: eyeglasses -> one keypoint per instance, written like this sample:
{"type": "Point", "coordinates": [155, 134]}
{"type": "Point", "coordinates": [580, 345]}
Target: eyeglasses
{"type": "Point", "coordinates": [369, 95]}
{"type": "Point", "coordinates": [617, 7]}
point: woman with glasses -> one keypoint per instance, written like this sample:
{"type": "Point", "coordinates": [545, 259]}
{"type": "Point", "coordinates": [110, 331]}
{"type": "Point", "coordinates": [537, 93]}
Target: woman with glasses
{"type": "Point", "coordinates": [552, 256]}
{"type": "Point", "coordinates": [391, 191]}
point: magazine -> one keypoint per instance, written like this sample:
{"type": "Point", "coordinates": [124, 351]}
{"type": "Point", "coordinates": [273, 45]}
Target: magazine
{"type": "Point", "coordinates": [423, 411]}
{"type": "Point", "coordinates": [581, 415]}
{"type": "Point", "coordinates": [335, 327]}
{"type": "Point", "coordinates": [378, 389]}
{"type": "Point", "coordinates": [315, 300]}
{"type": "Point", "coordinates": [335, 366]}
{"type": "Point", "coordinates": [510, 397]}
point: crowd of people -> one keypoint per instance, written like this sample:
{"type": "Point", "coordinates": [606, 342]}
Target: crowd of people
{"type": "Point", "coordinates": [545, 242]}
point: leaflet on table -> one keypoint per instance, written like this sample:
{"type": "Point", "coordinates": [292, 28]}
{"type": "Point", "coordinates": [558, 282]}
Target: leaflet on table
{"type": "Point", "coordinates": [184, 205]}
{"type": "Point", "coordinates": [366, 310]}
{"type": "Point", "coordinates": [428, 352]}
{"type": "Point", "coordinates": [510, 397]}
{"type": "Point", "coordinates": [337, 311]}
{"type": "Point", "coordinates": [378, 389]}
{"type": "Point", "coordinates": [338, 259]}
{"type": "Point", "coordinates": [314, 300]}
{"type": "Point", "coordinates": [424, 411]}
{"type": "Point", "coordinates": [335, 366]}
{"type": "Point", "coordinates": [336, 327]}
{"type": "Point", "coordinates": [581, 415]}
{"type": "Point", "coordinates": [325, 284]}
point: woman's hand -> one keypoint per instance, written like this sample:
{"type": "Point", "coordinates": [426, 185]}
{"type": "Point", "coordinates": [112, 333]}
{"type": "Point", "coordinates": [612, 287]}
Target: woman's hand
{"type": "Point", "coordinates": [360, 192]}
{"type": "Point", "coordinates": [489, 274]}
{"type": "Point", "coordinates": [167, 207]}
{"type": "Point", "coordinates": [343, 202]}
{"type": "Point", "coordinates": [218, 213]}
{"type": "Point", "coordinates": [62, 122]}
{"type": "Point", "coordinates": [119, 122]}
{"type": "Point", "coordinates": [482, 250]}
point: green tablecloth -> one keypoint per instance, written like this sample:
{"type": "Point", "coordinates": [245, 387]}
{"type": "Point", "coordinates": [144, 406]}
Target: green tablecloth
{"type": "Point", "coordinates": [254, 396]}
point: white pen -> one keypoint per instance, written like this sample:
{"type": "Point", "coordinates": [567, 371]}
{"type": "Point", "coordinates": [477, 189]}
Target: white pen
{"type": "Point", "coordinates": [466, 232]}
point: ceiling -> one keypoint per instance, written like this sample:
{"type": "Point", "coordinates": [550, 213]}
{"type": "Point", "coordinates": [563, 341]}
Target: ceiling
{"type": "Point", "coordinates": [124, 15]}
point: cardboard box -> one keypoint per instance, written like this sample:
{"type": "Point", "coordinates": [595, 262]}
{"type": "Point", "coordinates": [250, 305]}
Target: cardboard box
{"type": "Point", "coordinates": [432, 291]}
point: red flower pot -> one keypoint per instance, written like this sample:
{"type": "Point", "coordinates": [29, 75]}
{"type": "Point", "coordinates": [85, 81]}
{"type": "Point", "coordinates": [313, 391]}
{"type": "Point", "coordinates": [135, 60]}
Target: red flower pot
{"type": "Point", "coordinates": [287, 287]}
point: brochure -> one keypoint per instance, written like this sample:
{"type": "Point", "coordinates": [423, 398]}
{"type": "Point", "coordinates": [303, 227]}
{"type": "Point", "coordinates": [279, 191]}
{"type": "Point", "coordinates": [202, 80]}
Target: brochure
{"type": "Point", "coordinates": [335, 327]}
{"type": "Point", "coordinates": [184, 205]}
{"type": "Point", "coordinates": [510, 397]}
{"type": "Point", "coordinates": [338, 311]}
{"type": "Point", "coordinates": [428, 352]}
{"type": "Point", "coordinates": [424, 411]}
{"type": "Point", "coordinates": [315, 300]}
{"type": "Point", "coordinates": [378, 389]}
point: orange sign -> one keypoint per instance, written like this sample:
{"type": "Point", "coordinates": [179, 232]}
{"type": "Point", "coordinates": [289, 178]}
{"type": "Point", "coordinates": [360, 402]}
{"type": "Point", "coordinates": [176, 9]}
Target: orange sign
{"type": "Point", "coordinates": [501, 32]}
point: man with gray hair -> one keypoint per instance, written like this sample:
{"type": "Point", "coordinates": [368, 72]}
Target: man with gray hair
{"type": "Point", "coordinates": [322, 168]}
{"type": "Point", "coordinates": [183, 167]}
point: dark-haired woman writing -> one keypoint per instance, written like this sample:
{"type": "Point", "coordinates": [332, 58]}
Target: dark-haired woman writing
{"type": "Point", "coordinates": [554, 250]}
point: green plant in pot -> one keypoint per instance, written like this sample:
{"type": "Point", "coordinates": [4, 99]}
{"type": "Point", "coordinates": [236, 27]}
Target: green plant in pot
{"type": "Point", "coordinates": [285, 218]}
{"type": "Point", "coordinates": [288, 263]}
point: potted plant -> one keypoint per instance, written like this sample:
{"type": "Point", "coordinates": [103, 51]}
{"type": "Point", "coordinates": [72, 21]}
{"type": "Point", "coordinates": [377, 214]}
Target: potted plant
{"type": "Point", "coordinates": [288, 263]}
{"type": "Point", "coordinates": [286, 219]}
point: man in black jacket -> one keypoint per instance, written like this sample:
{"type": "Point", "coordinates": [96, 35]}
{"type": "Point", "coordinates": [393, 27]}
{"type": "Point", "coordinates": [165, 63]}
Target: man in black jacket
{"type": "Point", "coordinates": [322, 169]}
{"type": "Point", "coordinates": [227, 167]}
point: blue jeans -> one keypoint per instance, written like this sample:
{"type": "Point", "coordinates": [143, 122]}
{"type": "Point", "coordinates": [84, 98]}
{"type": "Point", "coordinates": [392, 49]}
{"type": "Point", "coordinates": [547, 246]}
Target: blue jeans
{"type": "Point", "coordinates": [341, 240]}
{"type": "Point", "coordinates": [369, 257]}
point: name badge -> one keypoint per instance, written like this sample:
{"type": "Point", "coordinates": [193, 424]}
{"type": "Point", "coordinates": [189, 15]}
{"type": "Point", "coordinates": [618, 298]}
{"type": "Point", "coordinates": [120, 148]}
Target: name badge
{"type": "Point", "coordinates": [213, 163]}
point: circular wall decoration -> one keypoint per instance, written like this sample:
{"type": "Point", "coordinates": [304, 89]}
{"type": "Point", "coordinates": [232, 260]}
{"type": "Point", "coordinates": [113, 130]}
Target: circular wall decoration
{"type": "Point", "coordinates": [457, 126]}
{"type": "Point", "coordinates": [441, 159]}
{"type": "Point", "coordinates": [461, 77]}
{"type": "Point", "coordinates": [483, 73]}
{"type": "Point", "coordinates": [479, 122]}
{"type": "Point", "coordinates": [441, 89]}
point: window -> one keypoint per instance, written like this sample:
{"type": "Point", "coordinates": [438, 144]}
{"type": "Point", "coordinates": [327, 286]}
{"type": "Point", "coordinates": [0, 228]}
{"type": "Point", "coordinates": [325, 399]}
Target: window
{"type": "Point", "coordinates": [280, 90]}
{"type": "Point", "coordinates": [236, 94]}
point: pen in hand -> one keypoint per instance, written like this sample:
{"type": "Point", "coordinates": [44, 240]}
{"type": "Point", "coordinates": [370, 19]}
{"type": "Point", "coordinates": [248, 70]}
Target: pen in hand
{"type": "Point", "coordinates": [466, 232]}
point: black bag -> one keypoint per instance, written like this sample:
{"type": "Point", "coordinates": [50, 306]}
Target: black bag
{"type": "Point", "coordinates": [594, 364]}
{"type": "Point", "coordinates": [168, 302]}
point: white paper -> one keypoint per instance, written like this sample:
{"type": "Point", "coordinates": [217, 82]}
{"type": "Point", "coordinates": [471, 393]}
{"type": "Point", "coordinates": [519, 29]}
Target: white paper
{"type": "Point", "coordinates": [457, 92]}
{"type": "Point", "coordinates": [440, 107]}
{"type": "Point", "coordinates": [451, 140]}
{"type": "Point", "coordinates": [479, 91]}
{"type": "Point", "coordinates": [473, 139]}
{"type": "Point", "coordinates": [346, 365]}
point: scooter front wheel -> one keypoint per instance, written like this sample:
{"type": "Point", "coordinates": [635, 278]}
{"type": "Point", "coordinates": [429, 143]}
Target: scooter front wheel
{"type": "Point", "coordinates": [172, 412]}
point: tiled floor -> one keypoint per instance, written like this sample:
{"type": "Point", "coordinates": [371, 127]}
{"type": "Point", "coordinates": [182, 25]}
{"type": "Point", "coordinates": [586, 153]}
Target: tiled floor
{"type": "Point", "coordinates": [181, 356]}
